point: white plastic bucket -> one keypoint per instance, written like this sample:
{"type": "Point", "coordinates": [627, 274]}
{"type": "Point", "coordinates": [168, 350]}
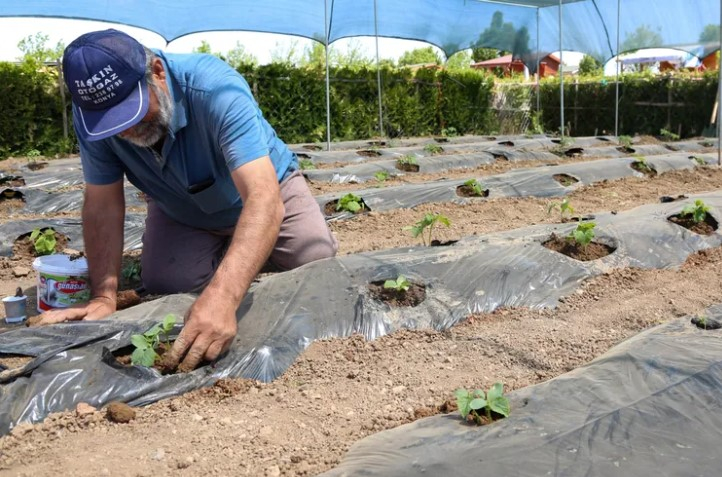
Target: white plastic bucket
{"type": "Point", "coordinates": [62, 282]}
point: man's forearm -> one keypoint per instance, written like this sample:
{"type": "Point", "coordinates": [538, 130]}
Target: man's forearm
{"type": "Point", "coordinates": [103, 237]}
{"type": "Point", "coordinates": [253, 240]}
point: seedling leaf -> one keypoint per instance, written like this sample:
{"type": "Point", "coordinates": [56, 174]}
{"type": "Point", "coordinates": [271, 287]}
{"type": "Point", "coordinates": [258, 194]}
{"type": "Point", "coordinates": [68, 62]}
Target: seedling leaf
{"type": "Point", "coordinates": [698, 211]}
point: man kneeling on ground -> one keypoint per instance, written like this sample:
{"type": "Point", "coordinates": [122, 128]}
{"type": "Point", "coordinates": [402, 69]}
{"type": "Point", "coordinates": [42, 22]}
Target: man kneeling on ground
{"type": "Point", "coordinates": [224, 193]}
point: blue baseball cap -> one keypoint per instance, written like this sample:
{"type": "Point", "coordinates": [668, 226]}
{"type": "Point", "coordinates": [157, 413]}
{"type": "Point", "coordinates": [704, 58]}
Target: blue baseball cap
{"type": "Point", "coordinates": [105, 73]}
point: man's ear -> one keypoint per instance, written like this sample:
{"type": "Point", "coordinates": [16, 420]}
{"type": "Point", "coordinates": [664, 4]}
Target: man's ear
{"type": "Point", "coordinates": [157, 68]}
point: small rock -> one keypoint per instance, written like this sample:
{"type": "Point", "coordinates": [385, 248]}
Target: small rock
{"type": "Point", "coordinates": [84, 409]}
{"type": "Point", "coordinates": [159, 454]}
{"type": "Point", "coordinates": [197, 417]}
{"type": "Point", "coordinates": [273, 471]}
{"type": "Point", "coordinates": [120, 412]}
{"type": "Point", "coordinates": [21, 271]}
{"type": "Point", "coordinates": [398, 390]}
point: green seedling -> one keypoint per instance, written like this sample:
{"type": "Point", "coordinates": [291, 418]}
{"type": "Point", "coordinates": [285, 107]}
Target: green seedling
{"type": "Point", "coordinates": [131, 272]}
{"type": "Point", "coordinates": [400, 285]}
{"type": "Point", "coordinates": [146, 345]}
{"type": "Point", "coordinates": [33, 153]}
{"type": "Point", "coordinates": [350, 203]}
{"type": "Point", "coordinates": [564, 207]}
{"type": "Point", "coordinates": [407, 160]}
{"type": "Point", "coordinates": [381, 176]}
{"type": "Point", "coordinates": [475, 402]}
{"type": "Point", "coordinates": [700, 161]}
{"type": "Point", "coordinates": [698, 211]}
{"type": "Point", "coordinates": [476, 187]}
{"type": "Point", "coordinates": [43, 241]}
{"type": "Point", "coordinates": [433, 149]}
{"type": "Point", "coordinates": [625, 141]}
{"type": "Point", "coordinates": [668, 135]}
{"type": "Point", "coordinates": [642, 164]}
{"type": "Point", "coordinates": [449, 132]}
{"type": "Point", "coordinates": [583, 234]}
{"type": "Point", "coordinates": [427, 223]}
{"type": "Point", "coordinates": [566, 141]}
{"type": "Point", "coordinates": [306, 164]}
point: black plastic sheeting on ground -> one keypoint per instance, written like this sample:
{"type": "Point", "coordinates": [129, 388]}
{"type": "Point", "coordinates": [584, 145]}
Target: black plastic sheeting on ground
{"type": "Point", "coordinates": [531, 182]}
{"type": "Point", "coordinates": [52, 174]}
{"type": "Point", "coordinates": [405, 142]}
{"type": "Point", "coordinates": [37, 201]}
{"type": "Point", "coordinates": [71, 228]}
{"type": "Point", "coordinates": [285, 312]}
{"type": "Point", "coordinates": [649, 406]}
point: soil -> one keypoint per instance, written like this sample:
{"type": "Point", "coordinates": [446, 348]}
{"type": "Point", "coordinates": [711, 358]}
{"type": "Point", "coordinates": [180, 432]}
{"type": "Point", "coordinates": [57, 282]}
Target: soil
{"type": "Point", "coordinates": [411, 297]}
{"type": "Point", "coordinates": [407, 167]}
{"type": "Point", "coordinates": [468, 191]}
{"type": "Point", "coordinates": [368, 153]}
{"type": "Point", "coordinates": [565, 179]}
{"type": "Point", "coordinates": [12, 361]}
{"type": "Point", "coordinates": [706, 227]}
{"type": "Point", "coordinates": [123, 357]}
{"type": "Point", "coordinates": [570, 248]}
{"type": "Point", "coordinates": [341, 390]}
{"type": "Point", "coordinates": [24, 247]}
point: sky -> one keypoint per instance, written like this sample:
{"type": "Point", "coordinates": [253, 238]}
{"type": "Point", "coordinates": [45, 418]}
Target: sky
{"type": "Point", "coordinates": [261, 45]}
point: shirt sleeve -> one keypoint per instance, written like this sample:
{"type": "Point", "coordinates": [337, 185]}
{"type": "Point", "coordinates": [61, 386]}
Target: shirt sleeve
{"type": "Point", "coordinates": [100, 164]}
{"type": "Point", "coordinates": [238, 123]}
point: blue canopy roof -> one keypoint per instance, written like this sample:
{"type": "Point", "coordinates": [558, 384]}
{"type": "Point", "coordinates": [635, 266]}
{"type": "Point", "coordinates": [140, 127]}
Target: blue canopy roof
{"type": "Point", "coordinates": [589, 26]}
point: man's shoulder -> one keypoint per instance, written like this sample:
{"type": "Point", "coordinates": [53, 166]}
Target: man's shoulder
{"type": "Point", "coordinates": [199, 71]}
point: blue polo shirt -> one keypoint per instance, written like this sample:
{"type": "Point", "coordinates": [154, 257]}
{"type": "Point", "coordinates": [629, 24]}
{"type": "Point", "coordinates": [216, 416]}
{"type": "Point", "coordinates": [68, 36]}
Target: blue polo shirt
{"type": "Point", "coordinates": [216, 127]}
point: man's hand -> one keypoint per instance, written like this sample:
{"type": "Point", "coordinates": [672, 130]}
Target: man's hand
{"type": "Point", "coordinates": [210, 326]}
{"type": "Point", "coordinates": [95, 309]}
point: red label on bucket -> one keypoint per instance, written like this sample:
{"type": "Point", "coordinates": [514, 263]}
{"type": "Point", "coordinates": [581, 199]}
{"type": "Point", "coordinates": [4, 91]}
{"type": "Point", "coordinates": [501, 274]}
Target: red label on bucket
{"type": "Point", "coordinates": [71, 286]}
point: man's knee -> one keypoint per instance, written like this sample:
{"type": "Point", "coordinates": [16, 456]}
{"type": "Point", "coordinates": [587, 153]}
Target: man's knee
{"type": "Point", "coordinates": [160, 281]}
{"type": "Point", "coordinates": [307, 250]}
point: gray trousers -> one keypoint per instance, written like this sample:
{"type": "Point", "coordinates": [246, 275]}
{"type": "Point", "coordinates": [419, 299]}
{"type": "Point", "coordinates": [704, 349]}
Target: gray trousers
{"type": "Point", "coordinates": [177, 258]}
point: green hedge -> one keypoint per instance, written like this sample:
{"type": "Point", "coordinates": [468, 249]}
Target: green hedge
{"type": "Point", "coordinates": [647, 104]}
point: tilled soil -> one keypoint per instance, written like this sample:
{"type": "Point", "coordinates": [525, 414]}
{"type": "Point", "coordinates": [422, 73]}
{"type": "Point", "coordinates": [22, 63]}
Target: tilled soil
{"type": "Point", "coordinates": [341, 390]}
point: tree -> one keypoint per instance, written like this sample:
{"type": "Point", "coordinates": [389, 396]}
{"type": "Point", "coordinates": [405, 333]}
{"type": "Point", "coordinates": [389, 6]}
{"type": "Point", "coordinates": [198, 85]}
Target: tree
{"type": "Point", "coordinates": [483, 54]}
{"type": "Point", "coordinates": [35, 49]}
{"type": "Point", "coordinates": [238, 56]}
{"type": "Point", "coordinates": [285, 54]}
{"type": "Point", "coordinates": [420, 56]}
{"type": "Point", "coordinates": [643, 37]}
{"type": "Point", "coordinates": [204, 48]}
{"type": "Point", "coordinates": [459, 61]}
{"type": "Point", "coordinates": [589, 66]}
{"type": "Point", "coordinates": [710, 34]}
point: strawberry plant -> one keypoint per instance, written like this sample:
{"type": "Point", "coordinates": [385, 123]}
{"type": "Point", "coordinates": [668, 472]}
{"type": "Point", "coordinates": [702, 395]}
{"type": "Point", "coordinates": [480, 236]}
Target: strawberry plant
{"type": "Point", "coordinates": [146, 345]}
{"type": "Point", "coordinates": [400, 285]}
{"type": "Point", "coordinates": [583, 234]}
{"type": "Point", "coordinates": [350, 203]}
{"type": "Point", "coordinates": [564, 207]}
{"type": "Point", "coordinates": [476, 402]}
{"type": "Point", "coordinates": [625, 141]}
{"type": "Point", "coordinates": [427, 223]}
{"type": "Point", "coordinates": [476, 187]}
{"type": "Point", "coordinates": [668, 135]}
{"type": "Point", "coordinates": [43, 241]}
{"type": "Point", "coordinates": [641, 164]}
{"type": "Point", "coordinates": [381, 176]}
{"type": "Point", "coordinates": [306, 164]}
{"type": "Point", "coordinates": [433, 149]}
{"type": "Point", "coordinates": [698, 211]}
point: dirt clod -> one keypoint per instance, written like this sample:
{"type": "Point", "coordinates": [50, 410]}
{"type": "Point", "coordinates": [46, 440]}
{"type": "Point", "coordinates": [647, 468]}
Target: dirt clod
{"type": "Point", "coordinates": [120, 412]}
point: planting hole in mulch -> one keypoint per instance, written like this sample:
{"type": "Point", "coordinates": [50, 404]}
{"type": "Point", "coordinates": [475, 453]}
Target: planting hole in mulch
{"type": "Point", "coordinates": [490, 138]}
{"type": "Point", "coordinates": [24, 247]}
{"type": "Point", "coordinates": [565, 179]}
{"type": "Point", "coordinates": [368, 153]}
{"type": "Point", "coordinates": [468, 191]}
{"type": "Point", "coordinates": [445, 243]}
{"type": "Point", "coordinates": [499, 157]}
{"type": "Point", "coordinates": [12, 194]}
{"type": "Point", "coordinates": [376, 143]}
{"type": "Point", "coordinates": [12, 181]}
{"type": "Point", "coordinates": [626, 150]}
{"type": "Point", "coordinates": [506, 143]}
{"type": "Point", "coordinates": [406, 167]}
{"type": "Point", "coordinates": [570, 248]}
{"type": "Point", "coordinates": [574, 152]}
{"type": "Point", "coordinates": [706, 143]}
{"type": "Point", "coordinates": [123, 357]}
{"type": "Point", "coordinates": [411, 297]}
{"type": "Point", "coordinates": [706, 323]}
{"type": "Point", "coordinates": [330, 208]}
{"type": "Point", "coordinates": [666, 198]}
{"type": "Point", "coordinates": [441, 139]}
{"type": "Point", "coordinates": [13, 361]}
{"type": "Point", "coordinates": [36, 166]}
{"type": "Point", "coordinates": [644, 168]}
{"type": "Point", "coordinates": [705, 227]}
{"type": "Point", "coordinates": [311, 147]}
